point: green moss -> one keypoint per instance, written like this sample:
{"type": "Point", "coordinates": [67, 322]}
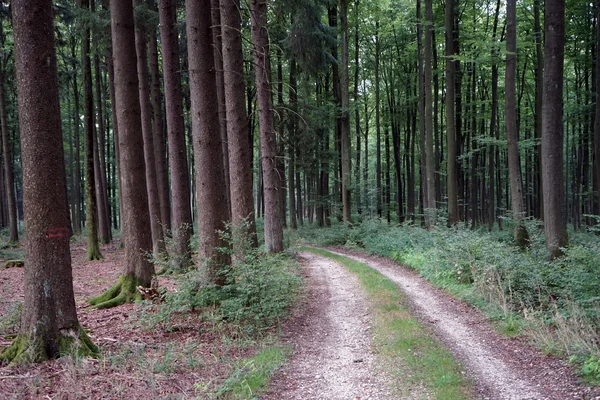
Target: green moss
{"type": "Point", "coordinates": [77, 342]}
{"type": "Point", "coordinates": [14, 264]}
{"type": "Point", "coordinates": [94, 251]}
{"type": "Point", "coordinates": [125, 291]}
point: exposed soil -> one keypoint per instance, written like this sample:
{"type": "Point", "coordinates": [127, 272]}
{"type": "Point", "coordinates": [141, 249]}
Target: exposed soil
{"type": "Point", "coordinates": [331, 336]}
{"type": "Point", "coordinates": [500, 367]}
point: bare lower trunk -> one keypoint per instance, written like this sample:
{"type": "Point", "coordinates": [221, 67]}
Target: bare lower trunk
{"type": "Point", "coordinates": [178, 163]}
{"type": "Point", "coordinates": [555, 223]}
{"type": "Point", "coordinates": [512, 135]}
{"type": "Point", "coordinates": [156, 226]}
{"type": "Point", "coordinates": [260, 39]}
{"type": "Point", "coordinates": [240, 185]}
{"type": "Point", "coordinates": [211, 195]}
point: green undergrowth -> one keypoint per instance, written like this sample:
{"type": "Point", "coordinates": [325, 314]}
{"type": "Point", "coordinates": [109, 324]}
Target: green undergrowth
{"type": "Point", "coordinates": [410, 353]}
{"type": "Point", "coordinates": [246, 312]}
{"type": "Point", "coordinates": [556, 304]}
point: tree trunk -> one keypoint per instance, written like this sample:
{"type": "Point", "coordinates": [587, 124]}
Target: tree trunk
{"type": "Point", "coordinates": [91, 219]}
{"type": "Point", "coordinates": [156, 227]}
{"type": "Point", "coordinates": [218, 56]}
{"type": "Point", "coordinates": [597, 115]}
{"type": "Point", "coordinates": [77, 176]}
{"type": "Point", "coordinates": [240, 151]}
{"type": "Point", "coordinates": [9, 182]}
{"type": "Point", "coordinates": [452, 177]}
{"type": "Point", "coordinates": [211, 190]}
{"type": "Point", "coordinates": [160, 151]}
{"type": "Point", "coordinates": [555, 224]}
{"type": "Point", "coordinates": [180, 255]}
{"type": "Point", "coordinates": [138, 270]}
{"type": "Point", "coordinates": [262, 68]}
{"type": "Point", "coordinates": [49, 322]}
{"type": "Point", "coordinates": [539, 85]}
{"type": "Point", "coordinates": [357, 170]}
{"type": "Point", "coordinates": [512, 135]}
{"type": "Point", "coordinates": [293, 100]}
{"type": "Point", "coordinates": [115, 126]}
{"type": "Point", "coordinates": [378, 192]}
{"type": "Point", "coordinates": [345, 131]}
{"type": "Point", "coordinates": [430, 216]}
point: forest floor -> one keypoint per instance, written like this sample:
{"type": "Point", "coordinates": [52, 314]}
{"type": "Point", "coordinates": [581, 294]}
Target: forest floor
{"type": "Point", "coordinates": [330, 332]}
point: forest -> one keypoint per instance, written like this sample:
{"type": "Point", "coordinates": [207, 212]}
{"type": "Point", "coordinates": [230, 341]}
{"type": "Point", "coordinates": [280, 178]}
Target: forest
{"type": "Point", "coordinates": [190, 161]}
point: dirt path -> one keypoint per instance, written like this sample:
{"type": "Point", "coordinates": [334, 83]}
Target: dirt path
{"type": "Point", "coordinates": [331, 337]}
{"type": "Point", "coordinates": [501, 368]}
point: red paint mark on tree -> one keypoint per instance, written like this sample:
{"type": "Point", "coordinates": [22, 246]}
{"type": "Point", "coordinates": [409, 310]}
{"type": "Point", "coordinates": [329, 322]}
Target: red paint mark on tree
{"type": "Point", "coordinates": [57, 233]}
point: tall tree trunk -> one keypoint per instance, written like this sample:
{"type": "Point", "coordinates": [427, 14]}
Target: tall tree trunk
{"type": "Point", "coordinates": [293, 100]}
{"type": "Point", "coordinates": [115, 126]}
{"type": "Point", "coordinates": [100, 165]}
{"type": "Point", "coordinates": [138, 270]}
{"type": "Point", "coordinates": [240, 151]}
{"type": "Point", "coordinates": [493, 123]}
{"type": "Point", "coordinates": [357, 170]}
{"type": "Point", "coordinates": [9, 182]}
{"type": "Point", "coordinates": [539, 89]}
{"type": "Point", "coordinates": [49, 324]}
{"type": "Point", "coordinates": [156, 227]}
{"type": "Point", "coordinates": [512, 135]}
{"type": "Point", "coordinates": [218, 56]}
{"type": "Point", "coordinates": [345, 131]}
{"type": "Point", "coordinates": [213, 210]}
{"type": "Point", "coordinates": [452, 177]}
{"type": "Point", "coordinates": [160, 151]}
{"type": "Point", "coordinates": [262, 68]}
{"type": "Point", "coordinates": [429, 153]}
{"type": "Point", "coordinates": [555, 224]}
{"type": "Point", "coordinates": [597, 115]}
{"type": "Point", "coordinates": [180, 177]}
{"type": "Point", "coordinates": [378, 192]}
{"type": "Point", "coordinates": [91, 224]}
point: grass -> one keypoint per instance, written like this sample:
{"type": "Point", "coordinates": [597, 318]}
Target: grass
{"type": "Point", "coordinates": [412, 356]}
{"type": "Point", "coordinates": [253, 374]}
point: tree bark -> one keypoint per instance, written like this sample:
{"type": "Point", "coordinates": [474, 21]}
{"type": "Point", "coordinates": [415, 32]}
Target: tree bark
{"type": "Point", "coordinates": [180, 177]}
{"type": "Point", "coordinates": [138, 270]}
{"type": "Point", "coordinates": [91, 217]}
{"type": "Point", "coordinates": [77, 176]}
{"type": "Point", "coordinates": [156, 226]}
{"type": "Point", "coordinates": [452, 177]}
{"type": "Point", "coordinates": [430, 216]}
{"type": "Point", "coordinates": [262, 68]}
{"type": "Point", "coordinates": [240, 151]}
{"type": "Point", "coordinates": [597, 115]}
{"type": "Point", "coordinates": [555, 224]}
{"type": "Point", "coordinates": [160, 151]}
{"type": "Point", "coordinates": [345, 131]}
{"type": "Point", "coordinates": [49, 321]}
{"type": "Point", "coordinates": [9, 181]}
{"type": "Point", "coordinates": [512, 135]}
{"type": "Point", "coordinates": [211, 190]}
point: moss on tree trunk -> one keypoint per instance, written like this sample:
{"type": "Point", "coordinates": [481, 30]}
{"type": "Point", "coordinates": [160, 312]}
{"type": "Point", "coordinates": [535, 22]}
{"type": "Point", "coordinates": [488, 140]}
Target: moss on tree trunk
{"type": "Point", "coordinates": [28, 348]}
{"type": "Point", "coordinates": [125, 291]}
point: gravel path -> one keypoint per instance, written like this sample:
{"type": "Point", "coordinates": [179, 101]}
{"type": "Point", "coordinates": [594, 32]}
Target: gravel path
{"type": "Point", "coordinates": [501, 368]}
{"type": "Point", "coordinates": [331, 336]}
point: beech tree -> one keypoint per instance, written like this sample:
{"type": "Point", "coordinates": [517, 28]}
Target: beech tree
{"type": "Point", "coordinates": [512, 135]}
{"type": "Point", "coordinates": [138, 270]}
{"type": "Point", "coordinates": [555, 218]}
{"type": "Point", "coordinates": [210, 175]}
{"type": "Point", "coordinates": [49, 325]}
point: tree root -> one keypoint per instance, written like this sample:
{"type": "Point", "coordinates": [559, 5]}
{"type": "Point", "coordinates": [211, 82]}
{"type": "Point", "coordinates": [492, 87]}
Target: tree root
{"type": "Point", "coordinates": [125, 291]}
{"type": "Point", "coordinates": [27, 349]}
